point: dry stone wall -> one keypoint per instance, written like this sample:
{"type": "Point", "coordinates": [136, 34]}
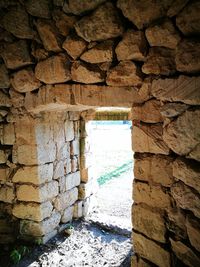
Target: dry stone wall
{"type": "Point", "coordinates": [62, 56]}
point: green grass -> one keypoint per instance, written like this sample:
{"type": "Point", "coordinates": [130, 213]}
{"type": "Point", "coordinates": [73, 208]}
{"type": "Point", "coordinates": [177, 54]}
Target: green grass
{"type": "Point", "coordinates": [115, 173]}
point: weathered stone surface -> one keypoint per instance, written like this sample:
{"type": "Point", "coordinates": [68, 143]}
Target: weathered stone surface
{"type": "Point", "coordinates": [150, 195]}
{"type": "Point", "coordinates": [176, 7]}
{"type": "Point", "coordinates": [36, 174]}
{"type": "Point", "coordinates": [64, 22]}
{"type": "Point", "coordinates": [151, 251]}
{"type": "Point", "coordinates": [74, 147]}
{"type": "Point", "coordinates": [143, 12]}
{"type": "Point", "coordinates": [188, 56]}
{"type": "Point", "coordinates": [185, 254]}
{"type": "Point", "coordinates": [155, 168]}
{"type": "Point", "coordinates": [193, 231]}
{"type": "Point", "coordinates": [126, 73]}
{"type": "Point", "coordinates": [67, 214]}
{"type": "Point", "coordinates": [186, 198]}
{"type": "Point", "coordinates": [77, 6]}
{"type": "Point", "coordinates": [102, 24]}
{"type": "Point", "coordinates": [78, 209]}
{"type": "Point", "coordinates": [102, 52]}
{"type": "Point", "coordinates": [132, 47]}
{"type": "Point", "coordinates": [187, 171]}
{"type": "Point", "coordinates": [138, 262]}
{"type": "Point", "coordinates": [163, 34]}
{"type": "Point", "coordinates": [8, 136]}
{"type": "Point", "coordinates": [149, 223]}
{"type": "Point", "coordinates": [7, 194]}
{"type": "Point", "coordinates": [33, 211]}
{"type": "Point", "coordinates": [195, 153]}
{"type": "Point", "coordinates": [49, 35]}
{"type": "Point", "coordinates": [86, 190]}
{"type": "Point", "coordinates": [70, 181]}
{"type": "Point", "coordinates": [66, 199]}
{"type": "Point", "coordinates": [40, 228]}
{"type": "Point", "coordinates": [148, 112]}
{"type": "Point", "coordinates": [37, 194]}
{"type": "Point", "coordinates": [182, 134]}
{"type": "Point", "coordinates": [16, 55]}
{"type": "Point", "coordinates": [24, 81]}
{"type": "Point", "coordinates": [184, 89]}
{"type": "Point", "coordinates": [4, 78]}
{"type": "Point", "coordinates": [148, 138]}
{"type": "Point", "coordinates": [160, 61]}
{"type": "Point", "coordinates": [82, 73]}
{"type": "Point", "coordinates": [16, 21]}
{"type": "Point", "coordinates": [188, 20]}
{"type": "Point", "coordinates": [177, 222]}
{"type": "Point", "coordinates": [3, 174]}
{"type": "Point", "coordinates": [69, 130]}
{"type": "Point", "coordinates": [171, 110]}
{"type": "Point", "coordinates": [38, 8]}
{"type": "Point", "coordinates": [39, 53]}
{"type": "Point", "coordinates": [55, 69]}
{"type": "Point", "coordinates": [3, 157]}
{"type": "Point", "coordinates": [74, 46]}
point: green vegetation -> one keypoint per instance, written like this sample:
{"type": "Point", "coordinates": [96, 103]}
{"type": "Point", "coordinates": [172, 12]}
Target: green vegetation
{"type": "Point", "coordinates": [17, 253]}
{"type": "Point", "coordinates": [115, 173]}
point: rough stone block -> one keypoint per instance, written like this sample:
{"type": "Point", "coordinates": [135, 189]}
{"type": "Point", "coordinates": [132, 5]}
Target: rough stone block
{"type": "Point", "coordinates": [86, 190]}
{"type": "Point", "coordinates": [7, 194]}
{"type": "Point", "coordinates": [40, 228]}
{"type": "Point", "coordinates": [193, 231]}
{"type": "Point", "coordinates": [74, 46]}
{"type": "Point", "coordinates": [69, 130]}
{"type": "Point", "coordinates": [151, 251]}
{"type": "Point", "coordinates": [185, 254]}
{"type": "Point", "coordinates": [70, 181]}
{"type": "Point", "coordinates": [63, 22]}
{"type": "Point", "coordinates": [74, 147]}
{"type": "Point", "coordinates": [154, 168]}
{"type": "Point", "coordinates": [148, 138]}
{"type": "Point", "coordinates": [66, 199]}
{"type": "Point", "coordinates": [36, 174]}
{"type": "Point", "coordinates": [74, 164]}
{"type": "Point", "coordinates": [138, 262]}
{"type": "Point", "coordinates": [3, 157]}
{"type": "Point", "coordinates": [3, 174]}
{"type": "Point", "coordinates": [37, 194]}
{"type": "Point", "coordinates": [4, 78]}
{"type": "Point", "coordinates": [78, 7]}
{"type": "Point", "coordinates": [177, 222]}
{"type": "Point", "coordinates": [33, 211]}
{"type": "Point", "coordinates": [5, 101]}
{"type": "Point", "coordinates": [8, 137]}
{"type": "Point", "coordinates": [153, 196]}
{"type": "Point", "coordinates": [149, 223]}
{"type": "Point", "coordinates": [176, 7]}
{"type": "Point", "coordinates": [78, 210]}
{"type": "Point", "coordinates": [87, 174]}
{"type": "Point", "coordinates": [171, 110]}
{"type": "Point", "coordinates": [38, 8]}
{"type": "Point", "coordinates": [67, 214]}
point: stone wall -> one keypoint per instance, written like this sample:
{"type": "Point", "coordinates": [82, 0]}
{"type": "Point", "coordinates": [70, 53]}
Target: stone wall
{"type": "Point", "coordinates": [75, 55]}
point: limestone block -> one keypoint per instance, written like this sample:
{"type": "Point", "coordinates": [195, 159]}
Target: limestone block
{"type": "Point", "coordinates": [86, 190]}
{"type": "Point", "coordinates": [187, 56]}
{"type": "Point", "coordinates": [89, 204]}
{"type": "Point", "coordinates": [39, 53]}
{"type": "Point", "coordinates": [37, 194]}
{"type": "Point", "coordinates": [74, 46]}
{"type": "Point", "coordinates": [163, 34]}
{"type": "Point", "coordinates": [102, 24]}
{"type": "Point", "coordinates": [3, 157]}
{"type": "Point", "coordinates": [154, 168]}
{"type": "Point", "coordinates": [83, 73]}
{"type": "Point", "coordinates": [86, 161]}
{"type": "Point", "coordinates": [64, 23]}
{"type": "Point", "coordinates": [70, 181]}
{"type": "Point", "coordinates": [126, 73]}
{"type": "Point", "coordinates": [149, 223]}
{"type": "Point", "coordinates": [16, 55]}
{"type": "Point", "coordinates": [36, 175]}
{"type": "Point", "coordinates": [193, 231]}
{"type": "Point", "coordinates": [176, 7]}
{"type": "Point", "coordinates": [69, 130]}
{"type": "Point", "coordinates": [67, 214]}
{"type": "Point", "coordinates": [144, 12]}
{"type": "Point", "coordinates": [87, 174]}
{"type": "Point", "coordinates": [148, 138]}
{"type": "Point", "coordinates": [188, 172]}
{"type": "Point", "coordinates": [186, 198]}
{"type": "Point", "coordinates": [133, 46]}
{"type": "Point", "coordinates": [24, 81]}
{"type": "Point", "coordinates": [185, 254]}
{"type": "Point", "coordinates": [171, 110]}
{"type": "Point", "coordinates": [5, 101]}
{"type": "Point", "coordinates": [32, 211]}
{"type": "Point", "coordinates": [160, 61]}
{"type": "Point", "coordinates": [74, 116]}
{"type": "Point", "coordinates": [138, 262]}
{"type": "Point", "coordinates": [74, 147]}
{"type": "Point", "coordinates": [102, 52]}
{"type": "Point", "coordinates": [49, 36]}
{"type": "Point", "coordinates": [66, 199]}
{"type": "Point", "coordinates": [40, 228]}
{"type": "Point", "coordinates": [153, 196]}
{"type": "Point", "coordinates": [4, 78]}
{"type": "Point", "coordinates": [3, 174]}
{"type": "Point", "coordinates": [177, 222]}
{"type": "Point", "coordinates": [182, 134]}
{"type": "Point", "coordinates": [183, 89]}
{"type": "Point", "coordinates": [55, 69]}
{"type": "Point", "coordinates": [188, 19]}
{"type": "Point", "coordinates": [16, 21]}
{"type": "Point", "coordinates": [58, 169]}
{"type": "Point", "coordinates": [8, 137]}
{"type": "Point", "coordinates": [38, 8]}
{"type": "Point", "coordinates": [148, 112]}
{"type": "Point", "coordinates": [74, 164]}
{"type": "Point", "coordinates": [151, 251]}
{"type": "Point", "coordinates": [7, 194]}
{"type": "Point", "coordinates": [63, 151]}
{"type": "Point", "coordinates": [5, 226]}
{"type": "Point", "coordinates": [78, 210]}
{"type": "Point", "coordinates": [78, 7]}
{"type": "Point", "coordinates": [195, 153]}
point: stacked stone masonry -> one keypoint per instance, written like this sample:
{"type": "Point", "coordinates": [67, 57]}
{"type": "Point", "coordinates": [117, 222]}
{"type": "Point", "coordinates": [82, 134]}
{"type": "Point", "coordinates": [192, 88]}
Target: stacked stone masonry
{"type": "Point", "coordinates": [59, 59]}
